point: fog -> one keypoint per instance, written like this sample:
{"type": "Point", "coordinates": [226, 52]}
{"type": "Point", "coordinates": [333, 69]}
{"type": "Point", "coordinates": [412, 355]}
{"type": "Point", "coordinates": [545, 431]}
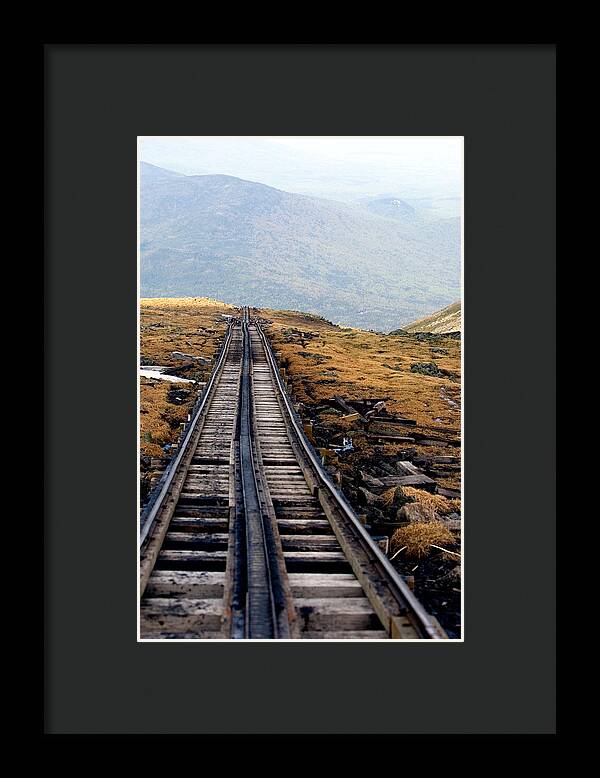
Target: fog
{"type": "Point", "coordinates": [425, 171]}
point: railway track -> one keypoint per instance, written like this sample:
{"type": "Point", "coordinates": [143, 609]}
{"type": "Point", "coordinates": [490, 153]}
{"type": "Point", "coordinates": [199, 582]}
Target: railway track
{"type": "Point", "coordinates": [248, 538]}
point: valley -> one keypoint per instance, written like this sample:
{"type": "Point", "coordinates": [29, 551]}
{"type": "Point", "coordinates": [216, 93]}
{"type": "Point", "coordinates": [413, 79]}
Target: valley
{"type": "Point", "coordinates": [376, 264]}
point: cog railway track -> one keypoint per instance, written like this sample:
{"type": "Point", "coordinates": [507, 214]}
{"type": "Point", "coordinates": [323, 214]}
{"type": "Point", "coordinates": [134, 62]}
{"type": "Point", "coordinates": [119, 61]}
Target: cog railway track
{"type": "Point", "coordinates": [248, 538]}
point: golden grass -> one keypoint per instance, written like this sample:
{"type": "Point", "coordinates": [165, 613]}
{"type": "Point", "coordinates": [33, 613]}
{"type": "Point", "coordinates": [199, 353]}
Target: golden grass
{"type": "Point", "coordinates": [418, 537]}
{"type": "Point", "coordinates": [159, 419]}
{"type": "Point", "coordinates": [359, 361]}
{"type": "Point", "coordinates": [191, 325]}
{"type": "Point", "coordinates": [360, 364]}
{"type": "Point", "coordinates": [441, 505]}
{"type": "Point", "coordinates": [387, 497]}
{"type": "Point", "coordinates": [434, 502]}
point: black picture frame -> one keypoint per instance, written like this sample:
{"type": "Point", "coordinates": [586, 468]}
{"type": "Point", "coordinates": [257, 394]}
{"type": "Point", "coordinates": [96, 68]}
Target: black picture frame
{"type": "Point", "coordinates": [98, 679]}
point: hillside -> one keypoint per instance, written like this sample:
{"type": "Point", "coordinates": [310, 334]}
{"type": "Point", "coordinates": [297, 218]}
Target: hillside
{"type": "Point", "coordinates": [241, 241]}
{"type": "Point", "coordinates": [446, 320]}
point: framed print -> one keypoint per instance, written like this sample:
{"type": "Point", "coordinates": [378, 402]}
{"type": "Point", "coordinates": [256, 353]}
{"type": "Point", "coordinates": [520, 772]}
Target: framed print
{"type": "Point", "coordinates": [303, 281]}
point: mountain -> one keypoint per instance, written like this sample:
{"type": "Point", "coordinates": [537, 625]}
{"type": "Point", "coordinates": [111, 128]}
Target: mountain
{"type": "Point", "coordinates": [345, 169]}
{"type": "Point", "coordinates": [390, 207]}
{"type": "Point", "coordinates": [245, 242]}
{"type": "Point", "coordinates": [446, 320]}
{"type": "Point", "coordinates": [152, 173]}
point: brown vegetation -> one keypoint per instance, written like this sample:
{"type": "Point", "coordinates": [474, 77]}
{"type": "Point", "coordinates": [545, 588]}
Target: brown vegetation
{"type": "Point", "coordinates": [416, 539]}
{"type": "Point", "coordinates": [356, 364]}
{"type": "Point", "coordinates": [192, 325]}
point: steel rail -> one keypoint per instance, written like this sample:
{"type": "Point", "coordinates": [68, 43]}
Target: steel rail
{"type": "Point", "coordinates": [265, 596]}
{"type": "Point", "coordinates": [399, 588]}
{"type": "Point", "coordinates": [260, 607]}
{"type": "Point", "coordinates": [147, 521]}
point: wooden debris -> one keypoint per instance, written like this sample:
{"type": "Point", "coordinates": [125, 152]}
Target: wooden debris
{"type": "Point", "coordinates": [393, 420]}
{"type": "Point", "coordinates": [448, 492]}
{"type": "Point", "coordinates": [391, 438]}
{"type": "Point", "coordinates": [419, 481]}
{"type": "Point", "coordinates": [371, 481]}
{"type": "Point", "coordinates": [380, 406]}
{"type": "Point", "coordinates": [346, 407]}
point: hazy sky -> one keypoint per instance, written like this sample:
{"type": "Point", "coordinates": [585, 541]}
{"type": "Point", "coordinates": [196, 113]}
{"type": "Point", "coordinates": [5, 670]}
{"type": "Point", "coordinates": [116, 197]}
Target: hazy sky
{"type": "Point", "coordinates": [340, 167]}
{"type": "Point", "coordinates": [442, 151]}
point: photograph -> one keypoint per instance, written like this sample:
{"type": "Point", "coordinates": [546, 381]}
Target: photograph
{"type": "Point", "coordinates": [300, 388]}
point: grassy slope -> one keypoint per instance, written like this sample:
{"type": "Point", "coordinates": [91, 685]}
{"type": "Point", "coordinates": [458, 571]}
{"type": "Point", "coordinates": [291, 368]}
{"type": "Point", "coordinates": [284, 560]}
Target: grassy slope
{"type": "Point", "coordinates": [446, 320]}
{"type": "Point", "coordinates": [358, 364]}
{"type": "Point", "coordinates": [189, 325]}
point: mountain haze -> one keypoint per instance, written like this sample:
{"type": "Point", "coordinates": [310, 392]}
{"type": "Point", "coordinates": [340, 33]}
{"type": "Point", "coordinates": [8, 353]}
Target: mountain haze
{"type": "Point", "coordinates": [344, 169]}
{"type": "Point", "coordinates": [244, 242]}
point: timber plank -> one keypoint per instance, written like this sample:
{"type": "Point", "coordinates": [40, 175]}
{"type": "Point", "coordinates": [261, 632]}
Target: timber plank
{"type": "Point", "coordinates": [180, 614]}
{"type": "Point", "coordinates": [333, 613]}
{"type": "Point", "coordinates": [348, 634]}
{"type": "Point", "coordinates": [199, 584]}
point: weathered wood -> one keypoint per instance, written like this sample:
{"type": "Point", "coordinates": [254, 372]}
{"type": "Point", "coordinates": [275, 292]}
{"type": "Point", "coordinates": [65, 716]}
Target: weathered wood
{"type": "Point", "coordinates": [169, 614]}
{"type": "Point", "coordinates": [316, 561]}
{"type": "Point", "coordinates": [332, 613]}
{"type": "Point", "coordinates": [185, 559]}
{"type": "Point", "coordinates": [196, 540]}
{"type": "Point", "coordinates": [347, 634]}
{"type": "Point", "coordinates": [393, 420]}
{"type": "Point", "coordinates": [453, 493]}
{"type": "Point", "coordinates": [309, 542]}
{"type": "Point", "coordinates": [391, 438]}
{"type": "Point", "coordinates": [310, 585]}
{"type": "Point", "coordinates": [308, 526]}
{"type": "Point", "coordinates": [419, 481]}
{"type": "Point", "coordinates": [201, 584]}
{"type": "Point", "coordinates": [193, 524]}
{"type": "Point", "coordinates": [153, 632]}
{"type": "Point", "coordinates": [380, 598]}
{"type": "Point", "coordinates": [407, 468]}
{"type": "Point", "coordinates": [350, 411]}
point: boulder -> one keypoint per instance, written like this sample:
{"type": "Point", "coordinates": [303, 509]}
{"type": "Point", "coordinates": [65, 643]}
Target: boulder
{"type": "Point", "coordinates": [187, 357]}
{"type": "Point", "coordinates": [416, 512]}
{"type": "Point", "coordinates": [454, 525]}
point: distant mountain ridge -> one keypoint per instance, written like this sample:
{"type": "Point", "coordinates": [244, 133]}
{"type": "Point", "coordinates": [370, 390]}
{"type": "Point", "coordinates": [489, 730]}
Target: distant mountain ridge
{"type": "Point", "coordinates": [244, 242]}
{"type": "Point", "coordinates": [440, 322]}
